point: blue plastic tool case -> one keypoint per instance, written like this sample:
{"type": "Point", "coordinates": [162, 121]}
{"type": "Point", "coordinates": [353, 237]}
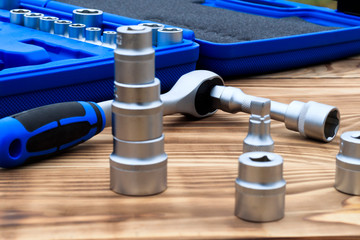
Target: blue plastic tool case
{"type": "Point", "coordinates": [38, 68]}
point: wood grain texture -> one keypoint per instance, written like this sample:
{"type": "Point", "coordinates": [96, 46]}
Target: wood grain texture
{"type": "Point", "coordinates": [68, 197]}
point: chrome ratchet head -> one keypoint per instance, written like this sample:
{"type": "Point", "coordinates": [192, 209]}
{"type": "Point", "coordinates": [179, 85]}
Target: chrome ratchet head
{"type": "Point", "coordinates": [191, 94]}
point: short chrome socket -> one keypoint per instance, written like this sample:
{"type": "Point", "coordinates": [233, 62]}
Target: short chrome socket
{"type": "Point", "coordinates": [17, 16]}
{"type": "Point", "coordinates": [109, 39]}
{"type": "Point", "coordinates": [77, 31]}
{"type": "Point", "coordinates": [61, 27]}
{"type": "Point", "coordinates": [89, 17]}
{"type": "Point", "coordinates": [260, 187]}
{"type": "Point", "coordinates": [32, 20]}
{"type": "Point", "coordinates": [347, 178]}
{"type": "Point", "coordinates": [93, 35]}
{"type": "Point", "coordinates": [169, 36]}
{"type": "Point", "coordinates": [259, 138]}
{"type": "Point", "coordinates": [47, 24]}
{"type": "Point", "coordinates": [138, 164]}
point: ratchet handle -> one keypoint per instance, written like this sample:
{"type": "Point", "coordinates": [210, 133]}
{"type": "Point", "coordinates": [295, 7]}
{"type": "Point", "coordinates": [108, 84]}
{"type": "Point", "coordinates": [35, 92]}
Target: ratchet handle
{"type": "Point", "coordinates": [45, 131]}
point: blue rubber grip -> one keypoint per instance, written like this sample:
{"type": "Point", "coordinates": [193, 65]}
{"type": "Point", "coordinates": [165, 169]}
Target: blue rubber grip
{"type": "Point", "coordinates": [46, 131]}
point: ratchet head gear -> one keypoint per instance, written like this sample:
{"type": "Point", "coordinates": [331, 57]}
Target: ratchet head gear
{"type": "Point", "coordinates": [191, 94]}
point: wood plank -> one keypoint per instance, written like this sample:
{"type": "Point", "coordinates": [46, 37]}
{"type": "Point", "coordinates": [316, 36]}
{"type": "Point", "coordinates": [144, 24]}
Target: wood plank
{"type": "Point", "coordinates": [68, 197]}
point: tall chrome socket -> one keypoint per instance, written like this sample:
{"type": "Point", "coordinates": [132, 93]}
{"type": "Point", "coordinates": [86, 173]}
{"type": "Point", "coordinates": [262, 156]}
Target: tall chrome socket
{"type": "Point", "coordinates": [260, 187]}
{"type": "Point", "coordinates": [138, 164]}
{"type": "Point", "coordinates": [17, 16]}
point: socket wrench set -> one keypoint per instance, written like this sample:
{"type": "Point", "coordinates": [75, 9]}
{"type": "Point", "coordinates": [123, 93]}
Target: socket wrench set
{"type": "Point", "coordinates": [50, 54]}
{"type": "Point", "coordinates": [138, 163]}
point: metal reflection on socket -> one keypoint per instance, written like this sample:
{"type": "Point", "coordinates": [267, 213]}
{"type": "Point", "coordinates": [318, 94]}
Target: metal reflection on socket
{"type": "Point", "coordinates": [109, 39]}
{"type": "Point", "coordinates": [260, 187]}
{"type": "Point", "coordinates": [259, 138]}
{"type": "Point", "coordinates": [169, 36]}
{"type": "Point", "coordinates": [47, 24]}
{"type": "Point", "coordinates": [155, 27]}
{"type": "Point", "coordinates": [17, 16]}
{"type": "Point", "coordinates": [93, 35]}
{"type": "Point", "coordinates": [89, 17]}
{"type": "Point", "coordinates": [77, 31]}
{"type": "Point", "coordinates": [61, 27]}
{"type": "Point", "coordinates": [32, 20]}
{"type": "Point", "coordinates": [347, 177]}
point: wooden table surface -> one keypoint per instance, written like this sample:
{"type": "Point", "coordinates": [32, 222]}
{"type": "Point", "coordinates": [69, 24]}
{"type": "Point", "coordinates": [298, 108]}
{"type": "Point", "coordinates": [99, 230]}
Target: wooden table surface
{"type": "Point", "coordinates": [68, 197]}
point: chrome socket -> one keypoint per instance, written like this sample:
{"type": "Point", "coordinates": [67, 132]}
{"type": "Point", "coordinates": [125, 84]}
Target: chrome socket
{"type": "Point", "coordinates": [169, 36]}
{"type": "Point", "coordinates": [347, 177]}
{"type": "Point", "coordinates": [17, 16]}
{"type": "Point", "coordinates": [61, 27]}
{"type": "Point", "coordinates": [47, 24]}
{"type": "Point", "coordinates": [9, 4]}
{"type": "Point", "coordinates": [77, 31]}
{"type": "Point", "coordinates": [93, 35]}
{"type": "Point", "coordinates": [138, 164]}
{"type": "Point", "coordinates": [155, 27]}
{"type": "Point", "coordinates": [260, 187]}
{"type": "Point", "coordinates": [259, 138]}
{"type": "Point", "coordinates": [109, 39]}
{"type": "Point", "coordinates": [89, 17]}
{"type": "Point", "coordinates": [32, 20]}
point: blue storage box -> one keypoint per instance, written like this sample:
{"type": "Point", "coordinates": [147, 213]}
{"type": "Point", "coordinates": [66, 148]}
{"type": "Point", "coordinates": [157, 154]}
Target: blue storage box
{"type": "Point", "coordinates": [38, 68]}
{"type": "Point", "coordinates": [283, 53]}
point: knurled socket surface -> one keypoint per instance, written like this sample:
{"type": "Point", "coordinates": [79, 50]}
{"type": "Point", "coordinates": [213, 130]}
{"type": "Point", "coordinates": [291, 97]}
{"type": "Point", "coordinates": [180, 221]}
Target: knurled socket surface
{"type": "Point", "coordinates": [260, 187]}
{"type": "Point", "coordinates": [347, 178]}
{"type": "Point", "coordinates": [138, 164]}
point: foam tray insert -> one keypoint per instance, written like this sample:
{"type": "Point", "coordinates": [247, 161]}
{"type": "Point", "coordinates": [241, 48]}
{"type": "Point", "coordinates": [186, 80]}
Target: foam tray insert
{"type": "Point", "coordinates": [212, 24]}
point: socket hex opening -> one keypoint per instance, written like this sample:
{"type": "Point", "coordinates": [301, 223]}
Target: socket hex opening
{"type": "Point", "coordinates": [171, 30]}
{"type": "Point", "coordinates": [63, 22]}
{"type": "Point", "coordinates": [263, 158]}
{"type": "Point", "coordinates": [87, 11]}
{"type": "Point", "coordinates": [356, 136]}
{"type": "Point", "coordinates": [20, 11]}
{"type": "Point", "coordinates": [34, 15]}
{"type": "Point", "coordinates": [332, 125]}
{"type": "Point", "coordinates": [136, 28]}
